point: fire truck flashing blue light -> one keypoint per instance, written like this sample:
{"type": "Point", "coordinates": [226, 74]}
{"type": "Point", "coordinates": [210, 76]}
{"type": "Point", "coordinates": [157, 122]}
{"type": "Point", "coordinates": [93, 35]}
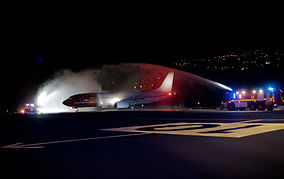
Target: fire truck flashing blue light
{"type": "Point", "coordinates": [234, 95]}
{"type": "Point", "coordinates": [270, 89]}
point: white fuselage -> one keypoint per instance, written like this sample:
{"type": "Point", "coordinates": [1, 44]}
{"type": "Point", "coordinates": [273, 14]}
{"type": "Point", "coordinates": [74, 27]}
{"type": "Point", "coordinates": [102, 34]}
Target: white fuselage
{"type": "Point", "coordinates": [128, 99]}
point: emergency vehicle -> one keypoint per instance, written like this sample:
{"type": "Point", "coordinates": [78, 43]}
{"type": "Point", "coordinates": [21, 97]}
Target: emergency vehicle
{"type": "Point", "coordinates": [29, 109]}
{"type": "Point", "coordinates": [255, 99]}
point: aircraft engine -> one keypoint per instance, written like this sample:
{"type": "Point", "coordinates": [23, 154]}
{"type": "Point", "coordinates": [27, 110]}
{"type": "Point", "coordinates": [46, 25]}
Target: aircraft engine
{"type": "Point", "coordinates": [122, 104]}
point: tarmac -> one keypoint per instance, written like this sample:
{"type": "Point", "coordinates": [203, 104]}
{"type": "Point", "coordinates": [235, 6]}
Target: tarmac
{"type": "Point", "coordinates": [143, 144]}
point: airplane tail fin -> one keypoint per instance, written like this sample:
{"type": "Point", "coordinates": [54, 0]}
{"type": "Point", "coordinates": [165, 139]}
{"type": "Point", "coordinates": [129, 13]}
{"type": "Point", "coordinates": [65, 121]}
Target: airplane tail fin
{"type": "Point", "coordinates": [167, 84]}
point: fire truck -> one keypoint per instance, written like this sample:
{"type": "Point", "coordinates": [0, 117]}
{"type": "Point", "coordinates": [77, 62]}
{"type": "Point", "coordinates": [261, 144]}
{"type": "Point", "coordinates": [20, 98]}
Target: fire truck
{"type": "Point", "coordinates": [255, 99]}
{"type": "Point", "coordinates": [28, 109]}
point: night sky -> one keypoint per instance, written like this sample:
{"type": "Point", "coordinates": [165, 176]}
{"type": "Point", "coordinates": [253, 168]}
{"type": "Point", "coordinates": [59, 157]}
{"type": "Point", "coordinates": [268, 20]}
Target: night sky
{"type": "Point", "coordinates": [36, 43]}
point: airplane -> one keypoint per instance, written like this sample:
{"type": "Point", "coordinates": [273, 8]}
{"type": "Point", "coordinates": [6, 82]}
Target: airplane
{"type": "Point", "coordinates": [122, 100]}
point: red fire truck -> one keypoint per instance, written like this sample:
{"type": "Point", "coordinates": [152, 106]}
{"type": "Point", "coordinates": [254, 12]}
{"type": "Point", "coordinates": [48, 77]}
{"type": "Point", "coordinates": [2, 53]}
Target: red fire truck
{"type": "Point", "coordinates": [28, 109]}
{"type": "Point", "coordinates": [255, 99]}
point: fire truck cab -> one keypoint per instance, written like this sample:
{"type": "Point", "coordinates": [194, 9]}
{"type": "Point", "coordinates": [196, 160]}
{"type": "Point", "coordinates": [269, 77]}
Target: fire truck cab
{"type": "Point", "coordinates": [256, 99]}
{"type": "Point", "coordinates": [29, 109]}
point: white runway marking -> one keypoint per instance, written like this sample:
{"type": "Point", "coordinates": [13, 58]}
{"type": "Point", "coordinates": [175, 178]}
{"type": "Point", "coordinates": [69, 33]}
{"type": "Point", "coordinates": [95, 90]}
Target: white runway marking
{"type": "Point", "coordinates": [41, 145]}
{"type": "Point", "coordinates": [233, 130]}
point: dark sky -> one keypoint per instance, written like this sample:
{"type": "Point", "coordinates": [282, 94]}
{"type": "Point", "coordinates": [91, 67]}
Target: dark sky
{"type": "Point", "coordinates": [37, 42]}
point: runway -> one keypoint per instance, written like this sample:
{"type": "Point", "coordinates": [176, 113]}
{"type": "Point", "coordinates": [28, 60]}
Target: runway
{"type": "Point", "coordinates": [143, 144]}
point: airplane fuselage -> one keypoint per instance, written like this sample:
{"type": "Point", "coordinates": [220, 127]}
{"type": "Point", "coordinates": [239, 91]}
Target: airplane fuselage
{"type": "Point", "coordinates": [122, 99]}
{"type": "Point", "coordinates": [116, 99]}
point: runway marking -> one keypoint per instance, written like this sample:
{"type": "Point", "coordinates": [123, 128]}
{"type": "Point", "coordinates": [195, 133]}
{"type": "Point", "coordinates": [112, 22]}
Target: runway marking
{"type": "Point", "coordinates": [233, 130]}
{"type": "Point", "coordinates": [42, 144]}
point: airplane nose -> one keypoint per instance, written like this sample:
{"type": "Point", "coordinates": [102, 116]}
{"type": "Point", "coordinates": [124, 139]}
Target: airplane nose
{"type": "Point", "coordinates": [66, 102]}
